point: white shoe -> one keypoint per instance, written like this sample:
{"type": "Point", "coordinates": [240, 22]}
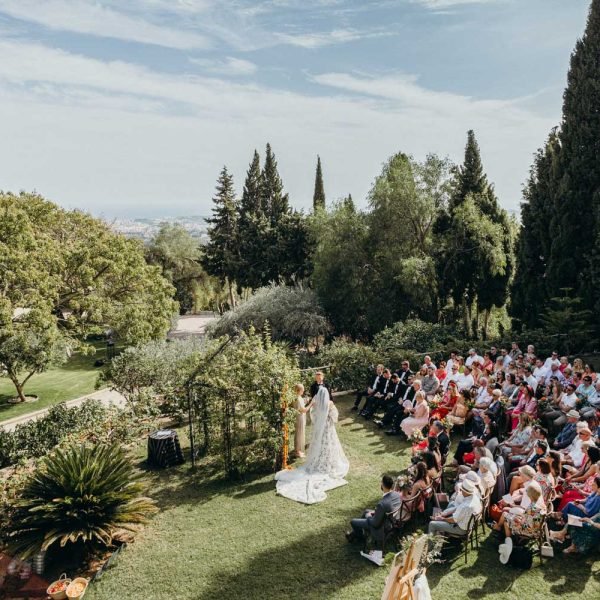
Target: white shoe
{"type": "Point", "coordinates": [375, 556]}
{"type": "Point", "coordinates": [505, 550]}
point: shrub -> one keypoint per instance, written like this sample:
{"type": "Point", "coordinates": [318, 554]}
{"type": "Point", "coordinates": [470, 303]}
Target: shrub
{"type": "Point", "coordinates": [80, 495]}
{"type": "Point", "coordinates": [293, 315]}
{"type": "Point", "coordinates": [91, 420]}
{"type": "Point", "coordinates": [414, 335]}
{"type": "Point", "coordinates": [351, 363]}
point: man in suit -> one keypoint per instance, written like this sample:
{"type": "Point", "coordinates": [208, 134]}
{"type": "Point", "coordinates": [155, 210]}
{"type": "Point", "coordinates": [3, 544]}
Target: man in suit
{"type": "Point", "coordinates": [402, 408]}
{"type": "Point", "coordinates": [375, 402]}
{"type": "Point", "coordinates": [375, 522]}
{"type": "Point", "coordinates": [442, 436]}
{"type": "Point", "coordinates": [392, 401]}
{"type": "Point", "coordinates": [371, 388]}
{"type": "Point", "coordinates": [404, 373]}
{"type": "Point", "coordinates": [317, 383]}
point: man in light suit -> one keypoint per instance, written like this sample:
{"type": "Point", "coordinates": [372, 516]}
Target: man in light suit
{"type": "Point", "coordinates": [376, 521]}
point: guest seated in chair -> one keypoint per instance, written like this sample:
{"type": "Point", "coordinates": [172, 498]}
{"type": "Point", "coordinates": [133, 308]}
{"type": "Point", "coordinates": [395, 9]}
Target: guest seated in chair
{"type": "Point", "coordinates": [371, 388]}
{"type": "Point", "coordinates": [375, 522]}
{"type": "Point", "coordinates": [458, 522]}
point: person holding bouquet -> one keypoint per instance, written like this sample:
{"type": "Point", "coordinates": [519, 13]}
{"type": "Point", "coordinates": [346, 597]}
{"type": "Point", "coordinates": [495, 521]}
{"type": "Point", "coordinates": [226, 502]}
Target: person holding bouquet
{"type": "Point", "coordinates": [419, 415]}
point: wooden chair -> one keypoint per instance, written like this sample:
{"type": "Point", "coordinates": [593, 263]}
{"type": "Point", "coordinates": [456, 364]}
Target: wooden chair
{"type": "Point", "coordinates": [540, 536]}
{"type": "Point", "coordinates": [468, 537]}
{"type": "Point", "coordinates": [399, 584]}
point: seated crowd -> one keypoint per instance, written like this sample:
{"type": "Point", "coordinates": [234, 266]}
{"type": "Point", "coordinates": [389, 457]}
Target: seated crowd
{"type": "Point", "coordinates": [529, 464]}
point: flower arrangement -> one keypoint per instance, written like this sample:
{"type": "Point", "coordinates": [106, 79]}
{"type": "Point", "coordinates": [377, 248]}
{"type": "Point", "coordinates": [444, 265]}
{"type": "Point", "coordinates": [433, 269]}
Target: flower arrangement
{"type": "Point", "coordinates": [448, 424]}
{"type": "Point", "coordinates": [416, 436]}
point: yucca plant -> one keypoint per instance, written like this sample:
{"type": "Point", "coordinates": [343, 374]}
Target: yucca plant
{"type": "Point", "coordinates": [79, 495]}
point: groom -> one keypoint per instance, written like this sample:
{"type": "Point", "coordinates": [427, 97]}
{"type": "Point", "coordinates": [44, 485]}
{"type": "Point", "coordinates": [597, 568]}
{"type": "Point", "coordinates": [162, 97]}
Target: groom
{"type": "Point", "coordinates": [375, 522]}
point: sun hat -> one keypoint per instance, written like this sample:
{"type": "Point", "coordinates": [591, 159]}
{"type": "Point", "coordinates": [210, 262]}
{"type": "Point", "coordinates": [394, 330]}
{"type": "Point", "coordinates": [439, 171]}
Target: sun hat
{"type": "Point", "coordinates": [467, 486]}
{"type": "Point", "coordinates": [573, 414]}
{"type": "Point", "coordinates": [527, 471]}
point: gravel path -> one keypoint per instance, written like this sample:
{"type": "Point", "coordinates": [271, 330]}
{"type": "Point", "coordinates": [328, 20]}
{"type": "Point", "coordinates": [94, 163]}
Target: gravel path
{"type": "Point", "coordinates": [106, 396]}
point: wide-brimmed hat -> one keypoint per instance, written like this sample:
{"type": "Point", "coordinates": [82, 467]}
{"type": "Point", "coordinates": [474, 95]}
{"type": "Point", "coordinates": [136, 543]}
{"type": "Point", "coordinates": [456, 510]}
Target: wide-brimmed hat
{"type": "Point", "coordinates": [467, 486]}
{"type": "Point", "coordinates": [527, 471]}
{"type": "Point", "coordinates": [573, 414]}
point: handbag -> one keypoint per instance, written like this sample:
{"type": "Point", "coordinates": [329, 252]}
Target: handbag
{"type": "Point", "coordinates": [547, 550]}
{"type": "Point", "coordinates": [521, 557]}
{"type": "Point", "coordinates": [495, 512]}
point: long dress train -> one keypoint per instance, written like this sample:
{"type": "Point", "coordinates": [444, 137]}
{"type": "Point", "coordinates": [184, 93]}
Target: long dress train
{"type": "Point", "coordinates": [326, 464]}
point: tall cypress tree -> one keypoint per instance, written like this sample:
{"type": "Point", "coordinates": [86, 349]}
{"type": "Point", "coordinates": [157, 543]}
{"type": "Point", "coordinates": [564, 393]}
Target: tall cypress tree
{"type": "Point", "coordinates": [573, 262]}
{"type": "Point", "coordinates": [220, 253]}
{"type": "Point", "coordinates": [319, 193]}
{"type": "Point", "coordinates": [529, 290]}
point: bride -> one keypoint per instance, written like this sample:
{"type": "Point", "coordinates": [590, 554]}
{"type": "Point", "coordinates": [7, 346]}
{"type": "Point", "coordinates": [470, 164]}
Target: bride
{"type": "Point", "coordinates": [326, 464]}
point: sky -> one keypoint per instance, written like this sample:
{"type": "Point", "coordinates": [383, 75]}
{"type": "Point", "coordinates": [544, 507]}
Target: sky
{"type": "Point", "coordinates": [128, 109]}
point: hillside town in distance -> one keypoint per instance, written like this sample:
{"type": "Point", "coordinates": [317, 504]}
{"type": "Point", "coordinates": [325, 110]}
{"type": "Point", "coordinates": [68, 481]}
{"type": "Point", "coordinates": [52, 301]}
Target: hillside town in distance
{"type": "Point", "coordinates": [146, 228]}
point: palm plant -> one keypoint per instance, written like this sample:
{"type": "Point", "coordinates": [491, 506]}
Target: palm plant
{"type": "Point", "coordinates": [78, 495]}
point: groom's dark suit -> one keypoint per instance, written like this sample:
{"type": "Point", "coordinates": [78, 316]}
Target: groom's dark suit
{"type": "Point", "coordinates": [375, 522]}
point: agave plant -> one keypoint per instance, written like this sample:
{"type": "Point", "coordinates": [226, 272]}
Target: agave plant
{"type": "Point", "coordinates": [78, 495]}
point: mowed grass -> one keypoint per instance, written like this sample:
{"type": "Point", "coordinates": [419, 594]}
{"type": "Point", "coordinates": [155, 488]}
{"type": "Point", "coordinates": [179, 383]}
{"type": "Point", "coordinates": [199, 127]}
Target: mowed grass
{"type": "Point", "coordinates": [77, 377]}
{"type": "Point", "coordinates": [214, 540]}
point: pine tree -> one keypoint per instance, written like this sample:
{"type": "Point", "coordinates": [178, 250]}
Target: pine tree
{"type": "Point", "coordinates": [470, 178]}
{"type": "Point", "coordinates": [220, 254]}
{"type": "Point", "coordinates": [577, 192]}
{"type": "Point", "coordinates": [319, 193]}
{"type": "Point", "coordinates": [274, 202]}
{"type": "Point", "coordinates": [475, 257]}
{"type": "Point", "coordinates": [252, 223]}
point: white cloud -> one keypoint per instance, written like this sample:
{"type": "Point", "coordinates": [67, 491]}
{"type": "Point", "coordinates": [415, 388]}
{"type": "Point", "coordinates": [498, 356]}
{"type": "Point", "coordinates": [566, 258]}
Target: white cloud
{"type": "Point", "coordinates": [229, 66]}
{"type": "Point", "coordinates": [109, 136]}
{"type": "Point", "coordinates": [91, 18]}
{"type": "Point", "coordinates": [336, 36]}
{"type": "Point", "coordinates": [441, 4]}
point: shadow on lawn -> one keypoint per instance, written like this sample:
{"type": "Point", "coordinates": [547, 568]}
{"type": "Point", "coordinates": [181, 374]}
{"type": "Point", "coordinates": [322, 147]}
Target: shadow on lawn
{"type": "Point", "coordinates": [310, 568]}
{"type": "Point", "coordinates": [571, 577]}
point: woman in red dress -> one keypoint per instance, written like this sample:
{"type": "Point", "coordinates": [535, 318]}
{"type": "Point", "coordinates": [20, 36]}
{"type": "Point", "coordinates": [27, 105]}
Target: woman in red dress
{"type": "Point", "coordinates": [447, 403]}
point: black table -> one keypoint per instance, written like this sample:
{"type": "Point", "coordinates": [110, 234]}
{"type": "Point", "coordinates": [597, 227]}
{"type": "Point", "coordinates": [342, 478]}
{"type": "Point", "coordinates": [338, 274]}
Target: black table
{"type": "Point", "coordinates": [164, 449]}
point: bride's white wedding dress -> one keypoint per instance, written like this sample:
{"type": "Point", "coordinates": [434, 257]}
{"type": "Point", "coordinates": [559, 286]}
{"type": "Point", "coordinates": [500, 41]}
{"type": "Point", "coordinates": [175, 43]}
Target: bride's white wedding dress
{"type": "Point", "coordinates": [326, 464]}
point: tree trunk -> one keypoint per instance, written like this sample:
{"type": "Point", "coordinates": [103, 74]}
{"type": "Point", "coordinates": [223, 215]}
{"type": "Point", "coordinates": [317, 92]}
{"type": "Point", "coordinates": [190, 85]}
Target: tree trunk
{"type": "Point", "coordinates": [466, 317]}
{"type": "Point", "coordinates": [486, 322]}
{"type": "Point", "coordinates": [231, 295]}
{"type": "Point", "coordinates": [18, 386]}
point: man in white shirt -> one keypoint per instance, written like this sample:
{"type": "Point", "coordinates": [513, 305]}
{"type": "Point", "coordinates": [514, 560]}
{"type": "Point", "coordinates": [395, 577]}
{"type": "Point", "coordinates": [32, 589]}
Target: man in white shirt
{"type": "Point", "coordinates": [465, 380]}
{"type": "Point", "coordinates": [556, 418]}
{"type": "Point", "coordinates": [530, 379]}
{"type": "Point", "coordinates": [452, 375]}
{"type": "Point", "coordinates": [451, 362]}
{"type": "Point", "coordinates": [554, 371]}
{"type": "Point", "coordinates": [506, 358]}
{"type": "Point", "coordinates": [458, 521]}
{"type": "Point", "coordinates": [483, 397]}
{"type": "Point", "coordinates": [473, 357]}
{"type": "Point", "coordinates": [552, 360]}
{"type": "Point", "coordinates": [540, 372]}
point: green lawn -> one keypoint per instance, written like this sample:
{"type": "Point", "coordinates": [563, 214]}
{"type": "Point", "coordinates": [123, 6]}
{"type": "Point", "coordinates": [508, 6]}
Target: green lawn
{"type": "Point", "coordinates": [75, 378]}
{"type": "Point", "coordinates": [216, 540]}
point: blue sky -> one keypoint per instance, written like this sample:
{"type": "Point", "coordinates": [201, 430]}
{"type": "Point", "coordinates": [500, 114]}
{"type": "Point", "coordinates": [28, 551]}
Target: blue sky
{"type": "Point", "coordinates": [131, 108]}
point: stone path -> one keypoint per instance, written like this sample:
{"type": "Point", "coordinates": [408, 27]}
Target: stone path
{"type": "Point", "coordinates": [105, 395]}
{"type": "Point", "coordinates": [192, 325]}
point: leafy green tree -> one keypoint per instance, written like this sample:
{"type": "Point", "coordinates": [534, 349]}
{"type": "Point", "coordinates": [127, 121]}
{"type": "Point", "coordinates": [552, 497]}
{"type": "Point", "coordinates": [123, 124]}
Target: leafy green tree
{"type": "Point", "coordinates": [319, 193]}
{"type": "Point", "coordinates": [574, 255]}
{"type": "Point", "coordinates": [221, 253]}
{"type": "Point", "coordinates": [65, 275]}
{"type": "Point", "coordinates": [405, 202]}
{"type": "Point", "coordinates": [178, 254]}
{"type": "Point", "coordinates": [81, 496]}
{"type": "Point", "coordinates": [342, 267]}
